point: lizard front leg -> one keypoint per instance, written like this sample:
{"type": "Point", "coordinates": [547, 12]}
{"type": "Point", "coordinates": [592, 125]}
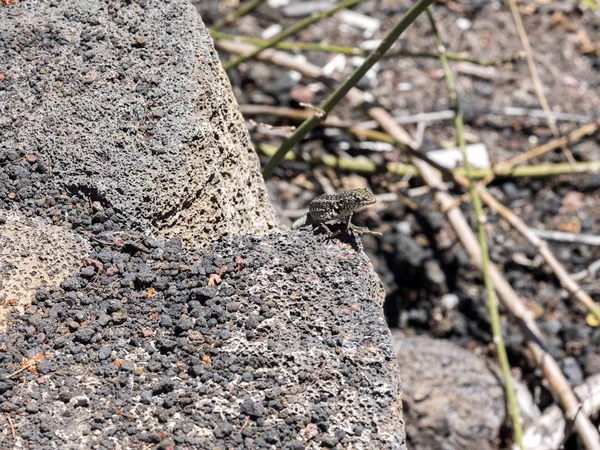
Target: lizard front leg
{"type": "Point", "coordinates": [348, 219]}
{"type": "Point", "coordinates": [363, 230]}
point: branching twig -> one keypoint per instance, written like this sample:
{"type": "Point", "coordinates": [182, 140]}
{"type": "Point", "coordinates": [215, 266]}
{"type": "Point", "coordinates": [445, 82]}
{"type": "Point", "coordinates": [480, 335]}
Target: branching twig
{"type": "Point", "coordinates": [291, 31]}
{"type": "Point", "coordinates": [539, 89]}
{"type": "Point", "coordinates": [247, 8]}
{"type": "Point", "coordinates": [353, 51]}
{"type": "Point", "coordinates": [345, 87]}
{"type": "Point", "coordinates": [481, 220]}
{"type": "Point", "coordinates": [368, 167]}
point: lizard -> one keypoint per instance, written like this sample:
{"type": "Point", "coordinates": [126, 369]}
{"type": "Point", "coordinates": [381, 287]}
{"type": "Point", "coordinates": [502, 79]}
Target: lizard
{"type": "Point", "coordinates": [328, 207]}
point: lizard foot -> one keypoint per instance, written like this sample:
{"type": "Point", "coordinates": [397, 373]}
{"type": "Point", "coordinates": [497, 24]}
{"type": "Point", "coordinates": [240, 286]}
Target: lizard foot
{"type": "Point", "coordinates": [362, 230]}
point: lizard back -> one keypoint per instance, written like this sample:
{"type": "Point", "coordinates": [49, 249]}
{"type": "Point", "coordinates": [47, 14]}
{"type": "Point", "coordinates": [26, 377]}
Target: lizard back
{"type": "Point", "coordinates": [328, 207]}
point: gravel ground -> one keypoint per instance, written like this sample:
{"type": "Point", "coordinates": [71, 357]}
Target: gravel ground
{"type": "Point", "coordinates": [250, 343]}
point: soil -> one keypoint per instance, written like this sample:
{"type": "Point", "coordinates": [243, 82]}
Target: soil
{"type": "Point", "coordinates": [432, 288]}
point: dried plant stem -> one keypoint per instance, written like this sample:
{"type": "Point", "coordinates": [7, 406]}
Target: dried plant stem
{"type": "Point", "coordinates": [291, 113]}
{"type": "Point", "coordinates": [585, 130]}
{"type": "Point", "coordinates": [357, 165]}
{"type": "Point", "coordinates": [353, 51]}
{"type": "Point", "coordinates": [291, 31]}
{"type": "Point", "coordinates": [12, 426]}
{"type": "Point", "coordinates": [345, 87]}
{"type": "Point", "coordinates": [485, 256]}
{"type": "Point", "coordinates": [247, 8]}
{"type": "Point", "coordinates": [368, 167]}
{"type": "Point", "coordinates": [282, 59]}
{"type": "Point", "coordinates": [511, 300]}
{"type": "Point", "coordinates": [539, 89]}
{"type": "Point", "coordinates": [551, 429]}
{"type": "Point", "coordinates": [540, 245]}
{"type": "Point", "coordinates": [563, 236]}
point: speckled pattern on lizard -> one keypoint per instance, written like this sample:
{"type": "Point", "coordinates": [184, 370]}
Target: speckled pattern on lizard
{"type": "Point", "coordinates": [329, 207]}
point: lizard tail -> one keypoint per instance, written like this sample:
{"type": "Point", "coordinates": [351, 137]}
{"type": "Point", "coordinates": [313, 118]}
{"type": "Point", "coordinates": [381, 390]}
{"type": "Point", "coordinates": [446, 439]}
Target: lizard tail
{"type": "Point", "coordinates": [302, 222]}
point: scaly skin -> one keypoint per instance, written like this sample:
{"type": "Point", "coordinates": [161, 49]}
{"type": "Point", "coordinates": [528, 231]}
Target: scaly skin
{"type": "Point", "coordinates": [328, 207]}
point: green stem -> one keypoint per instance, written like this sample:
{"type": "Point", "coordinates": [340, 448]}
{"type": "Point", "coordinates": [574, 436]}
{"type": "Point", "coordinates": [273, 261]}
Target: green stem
{"type": "Point", "coordinates": [291, 31]}
{"type": "Point", "coordinates": [368, 167]}
{"type": "Point", "coordinates": [481, 220]}
{"type": "Point", "coordinates": [248, 7]}
{"type": "Point", "coordinates": [352, 51]}
{"type": "Point", "coordinates": [343, 89]}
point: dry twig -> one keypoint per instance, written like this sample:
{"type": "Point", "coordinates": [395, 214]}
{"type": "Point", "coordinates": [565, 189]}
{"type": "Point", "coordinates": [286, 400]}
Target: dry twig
{"type": "Point", "coordinates": [121, 413]}
{"type": "Point", "coordinates": [291, 31]}
{"type": "Point", "coordinates": [481, 220]}
{"type": "Point", "coordinates": [574, 238]}
{"type": "Point", "coordinates": [12, 426]}
{"type": "Point", "coordinates": [81, 378]}
{"type": "Point", "coordinates": [247, 8]}
{"type": "Point", "coordinates": [585, 130]}
{"type": "Point", "coordinates": [539, 89]}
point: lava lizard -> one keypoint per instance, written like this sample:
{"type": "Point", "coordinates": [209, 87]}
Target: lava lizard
{"type": "Point", "coordinates": [328, 207]}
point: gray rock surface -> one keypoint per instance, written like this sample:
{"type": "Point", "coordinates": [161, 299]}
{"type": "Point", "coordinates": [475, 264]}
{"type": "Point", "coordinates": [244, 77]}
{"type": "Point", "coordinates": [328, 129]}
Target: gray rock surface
{"type": "Point", "coordinates": [252, 342]}
{"type": "Point", "coordinates": [127, 103]}
{"type": "Point", "coordinates": [34, 253]}
{"type": "Point", "coordinates": [452, 400]}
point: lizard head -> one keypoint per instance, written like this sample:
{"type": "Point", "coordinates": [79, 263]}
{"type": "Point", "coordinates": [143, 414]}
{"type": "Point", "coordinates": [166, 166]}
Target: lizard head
{"type": "Point", "coordinates": [361, 197]}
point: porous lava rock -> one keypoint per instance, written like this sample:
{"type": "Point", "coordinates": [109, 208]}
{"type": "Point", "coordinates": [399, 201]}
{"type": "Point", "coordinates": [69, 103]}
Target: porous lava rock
{"type": "Point", "coordinates": [153, 322]}
{"type": "Point", "coordinates": [252, 342]}
{"type": "Point", "coordinates": [128, 103]}
{"type": "Point", "coordinates": [33, 253]}
{"type": "Point", "coordinates": [451, 397]}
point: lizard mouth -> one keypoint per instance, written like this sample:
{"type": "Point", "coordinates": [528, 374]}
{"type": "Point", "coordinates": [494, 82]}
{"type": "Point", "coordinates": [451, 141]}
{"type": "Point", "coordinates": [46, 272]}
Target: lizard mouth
{"type": "Point", "coordinates": [370, 202]}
